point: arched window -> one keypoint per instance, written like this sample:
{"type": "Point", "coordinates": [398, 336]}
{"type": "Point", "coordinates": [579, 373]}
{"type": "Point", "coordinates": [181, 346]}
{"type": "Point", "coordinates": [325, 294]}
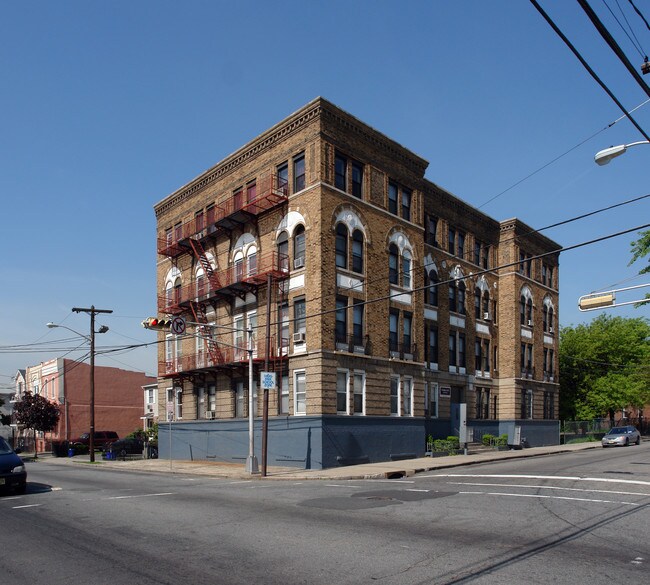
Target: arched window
{"type": "Point", "coordinates": [283, 251]}
{"type": "Point", "coordinates": [547, 315]}
{"type": "Point", "coordinates": [526, 307]}
{"type": "Point", "coordinates": [251, 260]}
{"type": "Point", "coordinates": [486, 304]}
{"type": "Point", "coordinates": [393, 263]}
{"type": "Point", "coordinates": [341, 246]}
{"type": "Point", "coordinates": [299, 247]}
{"type": "Point", "coordinates": [357, 251]}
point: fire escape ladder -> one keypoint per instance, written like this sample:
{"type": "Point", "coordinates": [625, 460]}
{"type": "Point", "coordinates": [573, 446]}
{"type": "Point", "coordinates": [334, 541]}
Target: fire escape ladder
{"type": "Point", "coordinates": [199, 252]}
{"type": "Point", "coordinates": [198, 310]}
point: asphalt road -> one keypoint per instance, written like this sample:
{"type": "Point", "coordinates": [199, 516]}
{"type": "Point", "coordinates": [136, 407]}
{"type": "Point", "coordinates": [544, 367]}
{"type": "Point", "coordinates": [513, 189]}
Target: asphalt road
{"type": "Point", "coordinates": [580, 518]}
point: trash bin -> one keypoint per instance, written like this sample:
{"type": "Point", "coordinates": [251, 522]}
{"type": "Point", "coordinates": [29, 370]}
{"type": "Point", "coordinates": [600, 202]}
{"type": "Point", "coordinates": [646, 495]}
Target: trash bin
{"type": "Point", "coordinates": [71, 452]}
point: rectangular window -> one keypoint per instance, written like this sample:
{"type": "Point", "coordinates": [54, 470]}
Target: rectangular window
{"type": "Point", "coordinates": [392, 198]}
{"type": "Point", "coordinates": [486, 355]}
{"type": "Point", "coordinates": [394, 395]}
{"type": "Point", "coordinates": [341, 326]}
{"type": "Point", "coordinates": [477, 252]}
{"type": "Point", "coordinates": [238, 199]}
{"type": "Point", "coordinates": [451, 241]}
{"type": "Point", "coordinates": [342, 382]}
{"type": "Point", "coordinates": [299, 316]}
{"type": "Point", "coordinates": [407, 325]}
{"type": "Point", "coordinates": [407, 396]}
{"type": "Point", "coordinates": [432, 345]}
{"type": "Point", "coordinates": [179, 403]}
{"type": "Point", "coordinates": [431, 230]}
{"type": "Point", "coordinates": [406, 204]}
{"type": "Point", "coordinates": [359, 393]}
{"type": "Point", "coordinates": [461, 245]}
{"type": "Point", "coordinates": [251, 192]}
{"type": "Point", "coordinates": [284, 395]}
{"type": "Point", "coordinates": [527, 404]}
{"type": "Point", "coordinates": [478, 355]}
{"type": "Point", "coordinates": [240, 400]}
{"type": "Point", "coordinates": [549, 405]}
{"type": "Point", "coordinates": [300, 393]}
{"type": "Point", "coordinates": [462, 360]}
{"type": "Point", "coordinates": [393, 332]}
{"type": "Point", "coordinates": [299, 173]}
{"type": "Point", "coordinates": [431, 395]}
{"type": "Point", "coordinates": [453, 358]}
{"type": "Point", "coordinates": [283, 177]}
{"type": "Point", "coordinates": [340, 172]}
{"type": "Point", "coordinates": [357, 322]}
{"type": "Point", "coordinates": [283, 318]}
{"type": "Point", "coordinates": [357, 180]}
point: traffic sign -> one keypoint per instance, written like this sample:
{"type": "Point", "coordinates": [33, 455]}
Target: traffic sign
{"type": "Point", "coordinates": [267, 380]}
{"type": "Point", "coordinates": [178, 325]}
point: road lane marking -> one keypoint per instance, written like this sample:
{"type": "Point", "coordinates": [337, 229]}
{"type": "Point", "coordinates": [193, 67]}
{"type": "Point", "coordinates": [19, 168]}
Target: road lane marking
{"type": "Point", "coordinates": [138, 496]}
{"type": "Point", "coordinates": [543, 497]}
{"type": "Point", "coordinates": [547, 487]}
{"type": "Point", "coordinates": [342, 486]}
{"type": "Point", "coordinates": [562, 477]}
{"type": "Point", "coordinates": [26, 506]}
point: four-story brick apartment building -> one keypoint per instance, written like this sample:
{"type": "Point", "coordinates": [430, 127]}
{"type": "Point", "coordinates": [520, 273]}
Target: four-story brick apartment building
{"type": "Point", "coordinates": [381, 301]}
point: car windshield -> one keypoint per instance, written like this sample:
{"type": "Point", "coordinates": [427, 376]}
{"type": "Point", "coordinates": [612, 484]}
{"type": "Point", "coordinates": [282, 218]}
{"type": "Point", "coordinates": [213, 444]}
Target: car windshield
{"type": "Point", "coordinates": [4, 447]}
{"type": "Point", "coordinates": [617, 432]}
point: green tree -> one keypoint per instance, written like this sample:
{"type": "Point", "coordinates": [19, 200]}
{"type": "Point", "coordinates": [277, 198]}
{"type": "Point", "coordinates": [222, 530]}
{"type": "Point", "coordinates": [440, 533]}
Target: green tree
{"type": "Point", "coordinates": [37, 413]}
{"type": "Point", "coordinates": [604, 367]}
{"type": "Point", "coordinates": [641, 249]}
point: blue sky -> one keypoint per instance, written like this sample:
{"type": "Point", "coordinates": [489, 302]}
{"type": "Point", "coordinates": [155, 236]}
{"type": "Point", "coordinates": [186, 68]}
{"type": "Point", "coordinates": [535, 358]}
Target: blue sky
{"type": "Point", "coordinates": [108, 107]}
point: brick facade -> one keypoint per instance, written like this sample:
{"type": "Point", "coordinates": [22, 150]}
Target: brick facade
{"type": "Point", "coordinates": [365, 235]}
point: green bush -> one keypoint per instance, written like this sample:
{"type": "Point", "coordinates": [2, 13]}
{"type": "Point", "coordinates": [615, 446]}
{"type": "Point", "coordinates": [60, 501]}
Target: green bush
{"type": "Point", "coordinates": [487, 439]}
{"type": "Point", "coordinates": [502, 440]}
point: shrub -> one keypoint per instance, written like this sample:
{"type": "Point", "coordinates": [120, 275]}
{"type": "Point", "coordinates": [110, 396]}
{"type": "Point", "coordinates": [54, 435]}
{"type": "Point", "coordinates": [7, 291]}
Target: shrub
{"type": "Point", "coordinates": [502, 440]}
{"type": "Point", "coordinates": [487, 439]}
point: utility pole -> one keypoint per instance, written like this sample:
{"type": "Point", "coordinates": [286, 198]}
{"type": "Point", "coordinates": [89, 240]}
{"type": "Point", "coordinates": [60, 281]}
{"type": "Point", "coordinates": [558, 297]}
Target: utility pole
{"type": "Point", "coordinates": [92, 312]}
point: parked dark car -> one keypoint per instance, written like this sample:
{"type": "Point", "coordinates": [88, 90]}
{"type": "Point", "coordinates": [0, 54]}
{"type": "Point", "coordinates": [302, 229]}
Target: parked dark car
{"type": "Point", "coordinates": [124, 447]}
{"type": "Point", "coordinates": [13, 475]}
{"type": "Point", "coordinates": [101, 439]}
{"type": "Point", "coordinates": [622, 436]}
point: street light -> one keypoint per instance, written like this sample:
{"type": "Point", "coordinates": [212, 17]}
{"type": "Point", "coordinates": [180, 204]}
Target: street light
{"type": "Point", "coordinates": [604, 156]}
{"type": "Point", "coordinates": [91, 338]}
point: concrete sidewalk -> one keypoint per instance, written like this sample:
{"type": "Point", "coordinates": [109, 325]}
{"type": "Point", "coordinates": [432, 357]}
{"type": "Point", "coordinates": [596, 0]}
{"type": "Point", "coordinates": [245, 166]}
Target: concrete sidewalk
{"type": "Point", "coordinates": [384, 470]}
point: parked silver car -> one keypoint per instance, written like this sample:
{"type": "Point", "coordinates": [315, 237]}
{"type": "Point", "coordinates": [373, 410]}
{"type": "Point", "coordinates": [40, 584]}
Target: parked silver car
{"type": "Point", "coordinates": [621, 436]}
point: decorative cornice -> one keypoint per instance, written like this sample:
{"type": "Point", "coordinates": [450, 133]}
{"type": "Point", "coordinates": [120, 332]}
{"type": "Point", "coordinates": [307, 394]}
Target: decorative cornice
{"type": "Point", "coordinates": [249, 151]}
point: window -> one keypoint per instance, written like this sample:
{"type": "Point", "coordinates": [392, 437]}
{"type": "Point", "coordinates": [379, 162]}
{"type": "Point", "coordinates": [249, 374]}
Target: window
{"type": "Point", "coordinates": [549, 405]}
{"type": "Point", "coordinates": [407, 326]}
{"type": "Point", "coordinates": [283, 319]}
{"type": "Point", "coordinates": [357, 180]}
{"type": "Point", "coordinates": [482, 403]}
{"type": "Point", "coordinates": [341, 326]}
{"type": "Point", "coordinates": [481, 254]}
{"type": "Point", "coordinates": [240, 400]}
{"type": "Point", "coordinates": [393, 334]}
{"type": "Point", "coordinates": [461, 245]}
{"type": "Point", "coordinates": [341, 246]}
{"type": "Point", "coordinates": [393, 262]}
{"type": "Point", "coordinates": [431, 333]}
{"type": "Point", "coordinates": [392, 198]}
{"type": "Point", "coordinates": [251, 192]}
{"type": "Point", "coordinates": [431, 399]}
{"type": "Point", "coordinates": [359, 393]}
{"type": "Point", "coordinates": [451, 241]}
{"type": "Point", "coordinates": [357, 322]}
{"type": "Point", "coordinates": [526, 307]}
{"type": "Point", "coordinates": [284, 395]}
{"type": "Point", "coordinates": [340, 172]}
{"type": "Point", "coordinates": [394, 395]}
{"type": "Point", "coordinates": [549, 358]}
{"type": "Point", "coordinates": [406, 204]}
{"type": "Point", "coordinates": [478, 355]}
{"type": "Point", "coordinates": [461, 298]}
{"type": "Point", "coordinates": [299, 173]}
{"type": "Point", "coordinates": [432, 290]}
{"type": "Point", "coordinates": [238, 199]}
{"type": "Point", "coordinates": [212, 398]}
{"type": "Point", "coordinates": [282, 177]}
{"type": "Point", "coordinates": [453, 358]}
{"type": "Point", "coordinates": [406, 270]}
{"type": "Point", "coordinates": [527, 404]}
{"type": "Point", "coordinates": [431, 230]}
{"type": "Point", "coordinates": [299, 393]}
{"type": "Point", "coordinates": [283, 251]}
{"type": "Point", "coordinates": [357, 251]}
{"type": "Point", "coordinates": [299, 247]}
{"type": "Point", "coordinates": [526, 359]}
{"type": "Point", "coordinates": [486, 355]}
{"type": "Point", "coordinates": [179, 403]}
{"type": "Point", "coordinates": [525, 263]}
{"type": "Point", "coordinates": [342, 382]}
{"type": "Point", "coordinates": [462, 360]}
{"type": "Point", "coordinates": [407, 396]}
{"type": "Point", "coordinates": [299, 316]}
{"type": "Point", "coordinates": [453, 305]}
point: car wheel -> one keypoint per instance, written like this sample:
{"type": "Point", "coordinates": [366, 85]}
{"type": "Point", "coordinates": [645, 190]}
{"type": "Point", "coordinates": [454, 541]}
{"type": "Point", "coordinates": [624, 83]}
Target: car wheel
{"type": "Point", "coordinates": [638, 440]}
{"type": "Point", "coordinates": [627, 442]}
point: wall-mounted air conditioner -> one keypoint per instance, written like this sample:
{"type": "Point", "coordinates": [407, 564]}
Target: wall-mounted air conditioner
{"type": "Point", "coordinates": [299, 338]}
{"type": "Point", "coordinates": [210, 414]}
{"type": "Point", "coordinates": [298, 262]}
